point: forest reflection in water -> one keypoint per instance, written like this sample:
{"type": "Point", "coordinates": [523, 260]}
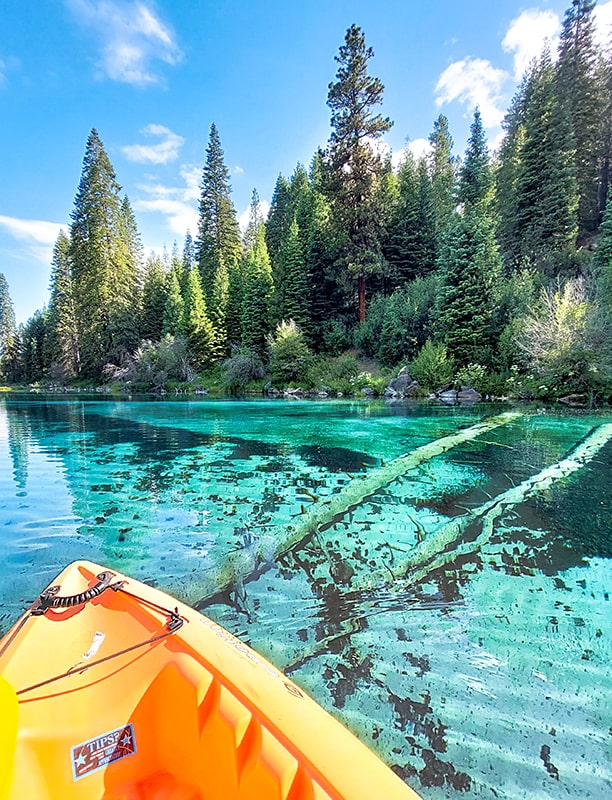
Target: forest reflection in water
{"type": "Point", "coordinates": [458, 623]}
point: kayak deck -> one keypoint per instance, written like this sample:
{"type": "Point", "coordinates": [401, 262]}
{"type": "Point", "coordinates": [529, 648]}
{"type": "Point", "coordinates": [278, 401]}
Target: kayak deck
{"type": "Point", "coordinates": [133, 696]}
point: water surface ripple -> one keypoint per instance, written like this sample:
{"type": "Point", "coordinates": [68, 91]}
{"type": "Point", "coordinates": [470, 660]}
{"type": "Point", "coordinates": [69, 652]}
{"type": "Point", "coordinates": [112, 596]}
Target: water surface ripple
{"type": "Point", "coordinates": [487, 677]}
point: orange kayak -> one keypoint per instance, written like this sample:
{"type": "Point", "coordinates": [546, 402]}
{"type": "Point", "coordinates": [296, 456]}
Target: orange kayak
{"type": "Point", "coordinates": [112, 689]}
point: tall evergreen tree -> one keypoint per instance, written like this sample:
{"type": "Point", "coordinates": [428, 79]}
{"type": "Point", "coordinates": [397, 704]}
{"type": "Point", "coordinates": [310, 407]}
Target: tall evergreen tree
{"type": "Point", "coordinates": [62, 345]}
{"type": "Point", "coordinates": [296, 305]}
{"type": "Point", "coordinates": [579, 91]}
{"type": "Point", "coordinates": [277, 230]}
{"type": "Point", "coordinates": [506, 179]}
{"type": "Point", "coordinates": [255, 223]}
{"type": "Point", "coordinates": [104, 274]}
{"type": "Point", "coordinates": [174, 305]}
{"type": "Point", "coordinates": [603, 260]}
{"type": "Point", "coordinates": [411, 245]}
{"type": "Point", "coordinates": [476, 176]}
{"type": "Point", "coordinates": [7, 326]}
{"type": "Point", "coordinates": [257, 295]}
{"type": "Point", "coordinates": [324, 290]}
{"type": "Point", "coordinates": [470, 264]}
{"type": "Point", "coordinates": [153, 299]}
{"type": "Point", "coordinates": [33, 351]}
{"type": "Point", "coordinates": [218, 247]}
{"type": "Point", "coordinates": [195, 324]}
{"type": "Point", "coordinates": [442, 170]}
{"type": "Point", "coordinates": [546, 192]}
{"type": "Point", "coordinates": [353, 162]}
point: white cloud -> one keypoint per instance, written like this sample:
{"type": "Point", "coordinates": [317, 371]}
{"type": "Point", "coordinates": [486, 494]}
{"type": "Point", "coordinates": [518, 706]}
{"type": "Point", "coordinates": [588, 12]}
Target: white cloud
{"type": "Point", "coordinates": [473, 82]}
{"type": "Point", "coordinates": [603, 24]}
{"type": "Point", "coordinates": [175, 203]}
{"type": "Point", "coordinates": [131, 38]}
{"type": "Point", "coordinates": [238, 170]}
{"type": "Point", "coordinates": [160, 153]}
{"type": "Point", "coordinates": [39, 236]}
{"type": "Point", "coordinates": [527, 35]}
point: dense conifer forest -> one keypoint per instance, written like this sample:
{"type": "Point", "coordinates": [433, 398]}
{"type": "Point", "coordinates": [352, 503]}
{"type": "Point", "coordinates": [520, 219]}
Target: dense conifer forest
{"type": "Point", "coordinates": [493, 270]}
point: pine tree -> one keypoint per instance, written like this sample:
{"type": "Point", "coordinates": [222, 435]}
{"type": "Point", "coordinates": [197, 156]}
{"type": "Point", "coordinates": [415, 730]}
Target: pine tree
{"type": "Point", "coordinates": [442, 170]}
{"type": "Point", "coordinates": [104, 272]}
{"type": "Point", "coordinates": [354, 166]}
{"type": "Point", "coordinates": [469, 273]}
{"type": "Point", "coordinates": [469, 262]}
{"type": "Point", "coordinates": [579, 91]}
{"type": "Point", "coordinates": [411, 231]}
{"type": "Point", "coordinates": [218, 245]}
{"type": "Point", "coordinates": [195, 324]}
{"type": "Point", "coordinates": [277, 230]}
{"type": "Point", "coordinates": [7, 327]}
{"type": "Point", "coordinates": [257, 294]}
{"type": "Point", "coordinates": [324, 295]}
{"type": "Point", "coordinates": [174, 305]}
{"type": "Point", "coordinates": [296, 306]}
{"type": "Point", "coordinates": [506, 179]}
{"type": "Point", "coordinates": [34, 365]}
{"type": "Point", "coordinates": [62, 345]}
{"type": "Point", "coordinates": [602, 261]}
{"type": "Point", "coordinates": [546, 192]}
{"type": "Point", "coordinates": [255, 223]}
{"type": "Point", "coordinates": [476, 177]}
{"type": "Point", "coordinates": [153, 299]}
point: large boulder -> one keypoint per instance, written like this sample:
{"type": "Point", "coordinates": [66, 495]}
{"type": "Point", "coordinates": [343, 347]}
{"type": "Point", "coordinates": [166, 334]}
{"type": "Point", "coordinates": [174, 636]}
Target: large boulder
{"type": "Point", "coordinates": [403, 386]}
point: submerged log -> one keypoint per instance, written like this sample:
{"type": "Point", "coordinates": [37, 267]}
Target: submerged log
{"type": "Point", "coordinates": [444, 544]}
{"type": "Point", "coordinates": [361, 489]}
{"type": "Point", "coordinates": [241, 565]}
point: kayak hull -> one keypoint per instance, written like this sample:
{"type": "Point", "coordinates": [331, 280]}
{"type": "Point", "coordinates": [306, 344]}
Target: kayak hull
{"type": "Point", "coordinates": [131, 695]}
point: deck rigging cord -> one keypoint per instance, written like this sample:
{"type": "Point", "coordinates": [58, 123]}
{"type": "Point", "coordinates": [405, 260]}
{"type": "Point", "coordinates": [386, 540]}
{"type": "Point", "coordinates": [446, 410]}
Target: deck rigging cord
{"type": "Point", "coordinates": [50, 599]}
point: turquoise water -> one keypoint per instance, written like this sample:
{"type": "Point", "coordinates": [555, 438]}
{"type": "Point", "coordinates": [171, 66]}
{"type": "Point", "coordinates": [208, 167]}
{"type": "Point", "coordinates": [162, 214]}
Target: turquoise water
{"type": "Point", "coordinates": [472, 652]}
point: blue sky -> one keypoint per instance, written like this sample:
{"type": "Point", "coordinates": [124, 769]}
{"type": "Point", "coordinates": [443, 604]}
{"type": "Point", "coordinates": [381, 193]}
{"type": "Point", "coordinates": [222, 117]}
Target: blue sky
{"type": "Point", "coordinates": [151, 76]}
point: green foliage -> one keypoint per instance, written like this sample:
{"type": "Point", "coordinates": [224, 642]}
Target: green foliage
{"type": "Point", "coordinates": [476, 176]}
{"type": "Point", "coordinates": [7, 325]}
{"type": "Point", "coordinates": [240, 370]}
{"type": "Point", "coordinates": [354, 167]}
{"type": "Point", "coordinates": [433, 367]}
{"type": "Point", "coordinates": [33, 364]}
{"type": "Point", "coordinates": [289, 353]}
{"type": "Point", "coordinates": [442, 169]}
{"type": "Point", "coordinates": [218, 246]}
{"type": "Point", "coordinates": [257, 295]}
{"type": "Point", "coordinates": [153, 299]}
{"type": "Point", "coordinates": [61, 343]}
{"type": "Point", "coordinates": [154, 365]}
{"type": "Point", "coordinates": [469, 273]}
{"type": "Point", "coordinates": [603, 261]}
{"type": "Point", "coordinates": [104, 256]}
{"type": "Point", "coordinates": [398, 326]}
{"type": "Point", "coordinates": [194, 323]}
{"type": "Point", "coordinates": [336, 336]}
{"type": "Point", "coordinates": [411, 243]}
{"type": "Point", "coordinates": [173, 306]}
{"type": "Point", "coordinates": [546, 193]}
{"type": "Point", "coordinates": [582, 97]}
{"type": "Point", "coordinates": [566, 342]}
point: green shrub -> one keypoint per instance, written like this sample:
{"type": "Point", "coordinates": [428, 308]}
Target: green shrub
{"type": "Point", "coordinates": [433, 367]}
{"type": "Point", "coordinates": [240, 370]}
{"type": "Point", "coordinates": [153, 365]}
{"type": "Point", "coordinates": [289, 353]}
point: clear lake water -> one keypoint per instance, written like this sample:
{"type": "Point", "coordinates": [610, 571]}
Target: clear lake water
{"type": "Point", "coordinates": [472, 653]}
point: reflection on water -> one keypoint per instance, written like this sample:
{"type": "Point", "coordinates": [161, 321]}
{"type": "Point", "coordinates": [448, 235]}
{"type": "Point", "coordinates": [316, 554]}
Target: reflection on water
{"type": "Point", "coordinates": [485, 675]}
